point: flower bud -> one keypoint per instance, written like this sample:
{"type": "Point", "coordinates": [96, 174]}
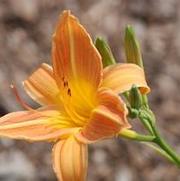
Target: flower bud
{"type": "Point", "coordinates": [135, 98]}
{"type": "Point", "coordinates": [133, 53]}
{"type": "Point", "coordinates": [132, 48]}
{"type": "Point", "coordinates": [105, 52]}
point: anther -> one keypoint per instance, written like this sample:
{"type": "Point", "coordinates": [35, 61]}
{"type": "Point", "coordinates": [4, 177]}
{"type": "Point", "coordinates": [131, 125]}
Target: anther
{"type": "Point", "coordinates": [65, 84]}
{"type": "Point", "coordinates": [69, 92]}
{"type": "Point", "coordinates": [23, 104]}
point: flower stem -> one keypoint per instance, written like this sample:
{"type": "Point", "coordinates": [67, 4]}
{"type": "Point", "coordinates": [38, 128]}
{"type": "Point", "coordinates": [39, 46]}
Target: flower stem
{"type": "Point", "coordinates": [163, 145]}
{"type": "Point", "coordinates": [160, 151]}
{"type": "Point", "coordinates": [148, 119]}
{"type": "Point", "coordinates": [130, 134]}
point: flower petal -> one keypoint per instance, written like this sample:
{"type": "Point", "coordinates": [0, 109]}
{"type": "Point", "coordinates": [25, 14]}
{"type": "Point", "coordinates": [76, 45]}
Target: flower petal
{"type": "Point", "coordinates": [37, 125]}
{"type": "Point", "coordinates": [77, 66]}
{"type": "Point", "coordinates": [70, 159]}
{"type": "Point", "coordinates": [121, 77]}
{"type": "Point", "coordinates": [107, 119]}
{"type": "Point", "coordinates": [74, 54]}
{"type": "Point", "coordinates": [41, 86]}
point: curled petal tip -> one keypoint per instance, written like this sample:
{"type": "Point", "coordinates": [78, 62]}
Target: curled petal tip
{"type": "Point", "coordinates": [121, 77]}
{"type": "Point", "coordinates": [107, 119]}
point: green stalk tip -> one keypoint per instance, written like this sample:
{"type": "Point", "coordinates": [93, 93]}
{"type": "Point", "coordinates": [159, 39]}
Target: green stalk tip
{"type": "Point", "coordinates": [105, 52]}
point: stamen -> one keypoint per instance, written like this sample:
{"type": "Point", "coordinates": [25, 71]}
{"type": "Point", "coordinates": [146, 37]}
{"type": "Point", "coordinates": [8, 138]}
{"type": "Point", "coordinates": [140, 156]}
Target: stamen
{"type": "Point", "coordinates": [68, 105]}
{"type": "Point", "coordinates": [69, 92]}
{"type": "Point", "coordinates": [24, 104]}
{"type": "Point", "coordinates": [19, 99]}
{"type": "Point", "coordinates": [65, 84]}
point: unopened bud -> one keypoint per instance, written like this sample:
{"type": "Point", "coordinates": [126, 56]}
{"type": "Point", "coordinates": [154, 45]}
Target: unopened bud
{"type": "Point", "coordinates": [105, 52]}
{"type": "Point", "coordinates": [132, 48]}
{"type": "Point", "coordinates": [135, 98]}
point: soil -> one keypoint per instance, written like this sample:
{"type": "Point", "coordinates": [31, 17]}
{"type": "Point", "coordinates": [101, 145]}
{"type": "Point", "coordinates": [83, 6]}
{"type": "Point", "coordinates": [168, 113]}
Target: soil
{"type": "Point", "coordinates": [26, 29]}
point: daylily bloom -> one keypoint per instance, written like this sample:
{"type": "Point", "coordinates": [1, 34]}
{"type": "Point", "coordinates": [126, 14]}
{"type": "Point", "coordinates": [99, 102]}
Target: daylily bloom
{"type": "Point", "coordinates": [79, 100]}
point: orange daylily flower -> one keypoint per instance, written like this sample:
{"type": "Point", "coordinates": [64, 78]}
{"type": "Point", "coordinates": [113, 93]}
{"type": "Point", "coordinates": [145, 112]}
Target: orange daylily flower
{"type": "Point", "coordinates": [79, 100]}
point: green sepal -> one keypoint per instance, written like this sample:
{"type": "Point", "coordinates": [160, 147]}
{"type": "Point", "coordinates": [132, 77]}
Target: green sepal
{"type": "Point", "coordinates": [105, 52]}
{"type": "Point", "coordinates": [132, 47]}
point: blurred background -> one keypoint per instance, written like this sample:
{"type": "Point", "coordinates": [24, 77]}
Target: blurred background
{"type": "Point", "coordinates": [26, 28]}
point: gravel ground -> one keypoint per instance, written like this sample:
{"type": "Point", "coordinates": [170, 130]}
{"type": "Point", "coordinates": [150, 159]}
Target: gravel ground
{"type": "Point", "coordinates": [26, 28]}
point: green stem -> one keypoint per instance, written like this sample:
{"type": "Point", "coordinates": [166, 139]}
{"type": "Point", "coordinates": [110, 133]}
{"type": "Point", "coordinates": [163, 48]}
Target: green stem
{"type": "Point", "coordinates": [148, 119]}
{"type": "Point", "coordinates": [130, 134]}
{"type": "Point", "coordinates": [160, 151]}
{"type": "Point", "coordinates": [162, 144]}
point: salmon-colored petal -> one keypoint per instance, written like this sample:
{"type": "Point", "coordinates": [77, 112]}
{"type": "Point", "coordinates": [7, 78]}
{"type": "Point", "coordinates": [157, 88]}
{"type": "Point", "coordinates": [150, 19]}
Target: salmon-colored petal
{"type": "Point", "coordinates": [37, 125]}
{"type": "Point", "coordinates": [42, 87]}
{"type": "Point", "coordinates": [70, 160]}
{"type": "Point", "coordinates": [74, 54]}
{"type": "Point", "coordinates": [121, 77]}
{"type": "Point", "coordinates": [107, 119]}
{"type": "Point", "coordinates": [77, 66]}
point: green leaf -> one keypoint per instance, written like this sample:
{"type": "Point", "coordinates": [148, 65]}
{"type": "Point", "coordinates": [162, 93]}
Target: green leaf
{"type": "Point", "coordinates": [105, 52]}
